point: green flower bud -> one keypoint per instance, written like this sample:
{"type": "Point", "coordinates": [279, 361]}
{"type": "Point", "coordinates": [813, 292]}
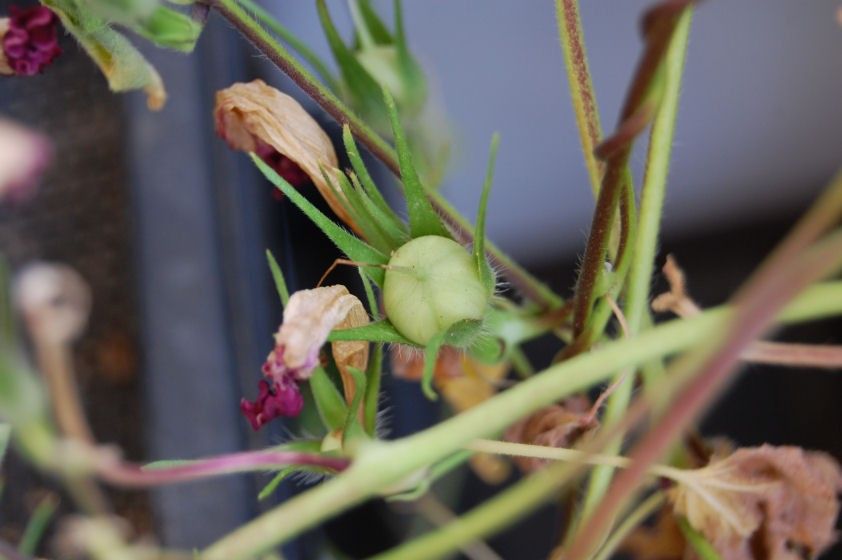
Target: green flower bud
{"type": "Point", "coordinates": [432, 283]}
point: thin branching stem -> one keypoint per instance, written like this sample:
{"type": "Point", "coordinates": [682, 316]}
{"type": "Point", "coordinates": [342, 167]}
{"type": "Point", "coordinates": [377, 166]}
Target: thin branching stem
{"type": "Point", "coordinates": [382, 465]}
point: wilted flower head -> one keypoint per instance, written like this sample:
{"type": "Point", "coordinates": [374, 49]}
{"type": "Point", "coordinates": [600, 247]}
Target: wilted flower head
{"type": "Point", "coordinates": [54, 300]}
{"type": "Point", "coordinates": [255, 117]}
{"type": "Point", "coordinates": [30, 40]}
{"type": "Point", "coordinates": [779, 502]}
{"type": "Point", "coordinates": [23, 157]}
{"type": "Point", "coordinates": [309, 317]}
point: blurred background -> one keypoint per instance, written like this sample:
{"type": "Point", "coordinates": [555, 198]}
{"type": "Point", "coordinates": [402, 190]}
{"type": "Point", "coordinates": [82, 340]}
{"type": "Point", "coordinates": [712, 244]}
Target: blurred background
{"type": "Point", "coordinates": [170, 227]}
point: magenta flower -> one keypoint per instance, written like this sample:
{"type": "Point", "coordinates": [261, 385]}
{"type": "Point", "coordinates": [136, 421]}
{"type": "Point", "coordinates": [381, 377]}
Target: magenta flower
{"type": "Point", "coordinates": [30, 41]}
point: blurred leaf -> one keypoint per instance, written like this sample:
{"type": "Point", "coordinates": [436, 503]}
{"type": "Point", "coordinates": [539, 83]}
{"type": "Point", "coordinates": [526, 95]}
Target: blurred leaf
{"type": "Point", "coordinates": [363, 88]}
{"type": "Point", "coordinates": [123, 65]}
{"type": "Point", "coordinates": [170, 29]}
{"type": "Point", "coordinates": [697, 541]}
{"type": "Point", "coordinates": [37, 525]}
{"type": "Point", "coordinates": [376, 28]}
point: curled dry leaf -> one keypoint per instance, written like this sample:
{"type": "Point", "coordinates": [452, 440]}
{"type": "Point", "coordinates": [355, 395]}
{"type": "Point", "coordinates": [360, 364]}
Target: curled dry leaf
{"type": "Point", "coordinates": [559, 425]}
{"type": "Point", "coordinates": [309, 317]}
{"type": "Point", "coordinates": [661, 541]}
{"type": "Point", "coordinates": [677, 299]}
{"type": "Point", "coordinates": [777, 503]}
{"type": "Point", "coordinates": [255, 117]}
{"type": "Point", "coordinates": [464, 383]}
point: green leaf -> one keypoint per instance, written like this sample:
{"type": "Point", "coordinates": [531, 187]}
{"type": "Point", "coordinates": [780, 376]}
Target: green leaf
{"type": "Point", "coordinates": [354, 248]}
{"type": "Point", "coordinates": [363, 88]}
{"type": "Point", "coordinates": [353, 410]}
{"type": "Point", "coordinates": [488, 349]}
{"type": "Point", "coordinates": [423, 219]}
{"type": "Point", "coordinates": [697, 541]}
{"type": "Point", "coordinates": [278, 277]}
{"type": "Point", "coordinates": [170, 29]}
{"type": "Point", "coordinates": [329, 401]}
{"type": "Point", "coordinates": [381, 210]}
{"type": "Point", "coordinates": [379, 331]}
{"type": "Point", "coordinates": [483, 268]}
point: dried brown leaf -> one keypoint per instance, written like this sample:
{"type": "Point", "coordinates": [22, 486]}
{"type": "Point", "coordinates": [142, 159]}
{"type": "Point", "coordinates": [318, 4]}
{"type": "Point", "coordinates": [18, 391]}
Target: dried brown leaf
{"type": "Point", "coordinates": [777, 503]}
{"type": "Point", "coordinates": [309, 317]}
{"type": "Point", "coordinates": [559, 425]}
{"type": "Point", "coordinates": [251, 115]}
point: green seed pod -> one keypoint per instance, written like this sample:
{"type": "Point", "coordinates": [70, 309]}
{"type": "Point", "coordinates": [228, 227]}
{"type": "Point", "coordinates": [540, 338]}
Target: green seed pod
{"type": "Point", "coordinates": [432, 283]}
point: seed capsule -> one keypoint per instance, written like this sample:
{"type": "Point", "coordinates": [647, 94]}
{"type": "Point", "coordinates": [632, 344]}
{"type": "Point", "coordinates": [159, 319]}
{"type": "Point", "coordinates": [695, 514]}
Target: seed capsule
{"type": "Point", "coordinates": [431, 283]}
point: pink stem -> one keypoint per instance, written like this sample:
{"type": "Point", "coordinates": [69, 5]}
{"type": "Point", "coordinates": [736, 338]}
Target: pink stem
{"type": "Point", "coordinates": [127, 474]}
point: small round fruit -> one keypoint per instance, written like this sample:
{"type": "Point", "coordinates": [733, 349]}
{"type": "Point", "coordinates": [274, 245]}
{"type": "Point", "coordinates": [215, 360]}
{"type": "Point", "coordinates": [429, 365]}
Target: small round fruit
{"type": "Point", "coordinates": [432, 282]}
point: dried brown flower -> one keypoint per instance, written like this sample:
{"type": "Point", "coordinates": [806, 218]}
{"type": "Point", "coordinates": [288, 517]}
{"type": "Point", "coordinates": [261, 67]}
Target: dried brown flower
{"type": "Point", "coordinates": [255, 117]}
{"type": "Point", "coordinates": [559, 425]}
{"type": "Point", "coordinates": [777, 503]}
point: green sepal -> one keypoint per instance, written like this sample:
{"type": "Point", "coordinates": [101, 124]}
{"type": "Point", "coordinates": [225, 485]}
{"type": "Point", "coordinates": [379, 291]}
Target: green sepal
{"type": "Point", "coordinates": [304, 446]}
{"type": "Point", "coordinates": [170, 29]}
{"type": "Point", "coordinates": [363, 88]}
{"type": "Point", "coordinates": [358, 210]}
{"type": "Point", "coordinates": [374, 371]}
{"type": "Point", "coordinates": [383, 212]}
{"type": "Point", "coordinates": [329, 401]}
{"type": "Point", "coordinates": [415, 84]}
{"type": "Point", "coordinates": [459, 335]}
{"type": "Point", "coordinates": [488, 349]}
{"type": "Point", "coordinates": [483, 268]}
{"type": "Point", "coordinates": [376, 28]}
{"type": "Point", "coordinates": [352, 427]}
{"type": "Point", "coordinates": [389, 225]}
{"type": "Point", "coordinates": [278, 278]}
{"type": "Point", "coordinates": [379, 331]}
{"type": "Point", "coordinates": [423, 219]}
{"type": "Point", "coordinates": [353, 247]}
{"type": "Point", "coordinates": [697, 541]}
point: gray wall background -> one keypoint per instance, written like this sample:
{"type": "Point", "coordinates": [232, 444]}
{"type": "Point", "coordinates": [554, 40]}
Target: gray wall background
{"type": "Point", "coordinates": [760, 129]}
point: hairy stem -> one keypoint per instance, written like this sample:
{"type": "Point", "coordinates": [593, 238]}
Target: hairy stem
{"type": "Point", "coordinates": [571, 37]}
{"type": "Point", "coordinates": [646, 240]}
{"type": "Point", "coordinates": [382, 464]}
{"type": "Point", "coordinates": [638, 109]}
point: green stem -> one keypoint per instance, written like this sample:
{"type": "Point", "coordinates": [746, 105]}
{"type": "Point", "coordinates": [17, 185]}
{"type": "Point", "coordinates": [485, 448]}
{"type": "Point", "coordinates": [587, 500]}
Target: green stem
{"type": "Point", "coordinates": [381, 464]}
{"type": "Point", "coordinates": [294, 42]}
{"type": "Point", "coordinates": [646, 241]}
{"type": "Point", "coordinates": [263, 41]}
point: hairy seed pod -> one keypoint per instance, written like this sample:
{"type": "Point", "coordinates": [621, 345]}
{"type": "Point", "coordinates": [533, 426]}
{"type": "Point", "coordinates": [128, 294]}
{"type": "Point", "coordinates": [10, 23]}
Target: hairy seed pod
{"type": "Point", "coordinates": [431, 283]}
